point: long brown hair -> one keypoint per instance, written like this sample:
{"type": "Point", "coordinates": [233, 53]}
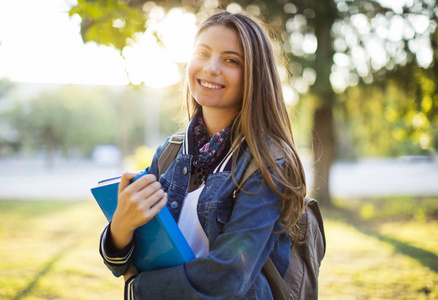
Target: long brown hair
{"type": "Point", "coordinates": [263, 114]}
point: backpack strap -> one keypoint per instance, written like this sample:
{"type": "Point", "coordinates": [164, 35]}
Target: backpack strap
{"type": "Point", "coordinates": [252, 166]}
{"type": "Point", "coordinates": [314, 206]}
{"type": "Point", "coordinates": [278, 288]}
{"type": "Point", "coordinates": [170, 153]}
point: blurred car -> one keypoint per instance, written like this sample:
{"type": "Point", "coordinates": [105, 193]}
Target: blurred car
{"type": "Point", "coordinates": [108, 155]}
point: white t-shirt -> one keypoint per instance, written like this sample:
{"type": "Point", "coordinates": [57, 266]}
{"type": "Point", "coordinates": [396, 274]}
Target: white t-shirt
{"type": "Point", "coordinates": [189, 224]}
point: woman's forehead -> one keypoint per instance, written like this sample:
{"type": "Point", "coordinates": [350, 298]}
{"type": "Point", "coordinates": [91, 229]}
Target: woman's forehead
{"type": "Point", "coordinates": [220, 36]}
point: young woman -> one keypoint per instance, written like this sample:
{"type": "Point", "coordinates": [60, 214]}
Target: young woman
{"type": "Point", "coordinates": [237, 115]}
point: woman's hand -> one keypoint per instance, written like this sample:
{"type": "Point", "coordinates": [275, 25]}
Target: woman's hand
{"type": "Point", "coordinates": [138, 203]}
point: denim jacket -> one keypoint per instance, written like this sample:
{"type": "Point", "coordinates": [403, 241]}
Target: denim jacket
{"type": "Point", "coordinates": [241, 234]}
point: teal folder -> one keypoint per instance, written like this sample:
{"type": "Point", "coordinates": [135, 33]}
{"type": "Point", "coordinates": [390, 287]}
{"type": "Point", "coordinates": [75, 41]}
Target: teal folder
{"type": "Point", "coordinates": [158, 244]}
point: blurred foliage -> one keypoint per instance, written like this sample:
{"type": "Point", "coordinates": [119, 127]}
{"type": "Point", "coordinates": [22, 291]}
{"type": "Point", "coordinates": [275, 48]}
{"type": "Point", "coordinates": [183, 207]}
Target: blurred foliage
{"type": "Point", "coordinates": [392, 109]}
{"type": "Point", "coordinates": [75, 119]}
{"type": "Point", "coordinates": [66, 119]}
{"type": "Point", "coordinates": [301, 119]}
{"type": "Point", "coordinates": [5, 86]}
{"type": "Point", "coordinates": [396, 118]}
{"type": "Point", "coordinates": [419, 115]}
{"type": "Point", "coordinates": [141, 158]}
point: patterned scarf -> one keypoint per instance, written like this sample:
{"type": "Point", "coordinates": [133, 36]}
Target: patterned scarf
{"type": "Point", "coordinates": [207, 150]}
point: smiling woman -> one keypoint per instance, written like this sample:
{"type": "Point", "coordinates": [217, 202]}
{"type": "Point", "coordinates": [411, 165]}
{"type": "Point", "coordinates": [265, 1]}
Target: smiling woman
{"type": "Point", "coordinates": [236, 115]}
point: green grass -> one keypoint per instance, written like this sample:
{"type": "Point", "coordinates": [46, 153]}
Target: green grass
{"type": "Point", "coordinates": [376, 249]}
{"type": "Point", "coordinates": [381, 249]}
{"type": "Point", "coordinates": [50, 251]}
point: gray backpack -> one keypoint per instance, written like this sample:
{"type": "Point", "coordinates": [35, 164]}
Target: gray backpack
{"type": "Point", "coordinates": [301, 279]}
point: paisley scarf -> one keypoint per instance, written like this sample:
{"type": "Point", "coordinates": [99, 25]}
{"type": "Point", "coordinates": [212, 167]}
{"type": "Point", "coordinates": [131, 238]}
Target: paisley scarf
{"type": "Point", "coordinates": [207, 150]}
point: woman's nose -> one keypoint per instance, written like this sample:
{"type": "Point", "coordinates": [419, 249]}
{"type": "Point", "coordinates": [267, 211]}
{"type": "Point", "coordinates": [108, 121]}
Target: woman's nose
{"type": "Point", "coordinates": [212, 67]}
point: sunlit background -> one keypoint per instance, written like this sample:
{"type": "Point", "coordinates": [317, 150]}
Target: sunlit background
{"type": "Point", "coordinates": [362, 97]}
{"type": "Point", "coordinates": [41, 43]}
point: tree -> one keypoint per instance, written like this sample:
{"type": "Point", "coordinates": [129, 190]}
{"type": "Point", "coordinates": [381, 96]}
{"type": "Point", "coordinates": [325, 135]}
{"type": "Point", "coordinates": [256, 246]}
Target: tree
{"type": "Point", "coordinates": [328, 43]}
{"type": "Point", "coordinates": [62, 120]}
{"type": "Point", "coordinates": [5, 87]}
{"type": "Point", "coordinates": [396, 50]}
{"type": "Point", "coordinates": [76, 119]}
{"type": "Point", "coordinates": [7, 138]}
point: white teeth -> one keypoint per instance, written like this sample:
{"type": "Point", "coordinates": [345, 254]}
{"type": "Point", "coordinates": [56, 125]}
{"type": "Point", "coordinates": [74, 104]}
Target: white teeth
{"type": "Point", "coordinates": [210, 85]}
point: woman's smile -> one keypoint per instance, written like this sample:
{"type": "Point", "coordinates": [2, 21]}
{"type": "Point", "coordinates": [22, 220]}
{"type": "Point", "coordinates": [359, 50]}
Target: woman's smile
{"type": "Point", "coordinates": [210, 85]}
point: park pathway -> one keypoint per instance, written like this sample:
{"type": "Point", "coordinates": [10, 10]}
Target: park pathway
{"type": "Point", "coordinates": [72, 180]}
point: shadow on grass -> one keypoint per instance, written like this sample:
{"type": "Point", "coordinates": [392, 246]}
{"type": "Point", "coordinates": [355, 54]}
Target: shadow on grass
{"type": "Point", "coordinates": [426, 258]}
{"type": "Point", "coordinates": [46, 269]}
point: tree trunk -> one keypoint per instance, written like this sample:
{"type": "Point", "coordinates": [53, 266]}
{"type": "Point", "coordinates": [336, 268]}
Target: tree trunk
{"type": "Point", "coordinates": [323, 124]}
{"type": "Point", "coordinates": [323, 143]}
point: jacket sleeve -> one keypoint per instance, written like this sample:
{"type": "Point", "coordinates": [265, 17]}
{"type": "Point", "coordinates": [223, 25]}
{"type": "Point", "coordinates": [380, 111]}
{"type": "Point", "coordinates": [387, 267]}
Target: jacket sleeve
{"type": "Point", "coordinates": [236, 256]}
{"type": "Point", "coordinates": [118, 262]}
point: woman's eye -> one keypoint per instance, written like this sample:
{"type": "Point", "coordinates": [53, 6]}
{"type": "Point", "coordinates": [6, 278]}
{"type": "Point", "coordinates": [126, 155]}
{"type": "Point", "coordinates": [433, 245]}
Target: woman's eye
{"type": "Point", "coordinates": [232, 61]}
{"type": "Point", "coordinates": [201, 54]}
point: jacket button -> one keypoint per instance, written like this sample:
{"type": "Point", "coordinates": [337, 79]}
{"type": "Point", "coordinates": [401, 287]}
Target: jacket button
{"type": "Point", "coordinates": [185, 170]}
{"type": "Point", "coordinates": [174, 204]}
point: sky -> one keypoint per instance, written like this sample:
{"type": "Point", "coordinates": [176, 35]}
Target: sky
{"type": "Point", "coordinates": [39, 42]}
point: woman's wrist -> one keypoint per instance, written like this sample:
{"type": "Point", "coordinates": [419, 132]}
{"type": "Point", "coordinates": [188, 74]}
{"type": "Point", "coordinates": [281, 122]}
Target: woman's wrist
{"type": "Point", "coordinates": [120, 237]}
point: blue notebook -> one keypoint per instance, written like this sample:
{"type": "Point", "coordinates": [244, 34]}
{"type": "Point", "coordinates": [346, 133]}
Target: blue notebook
{"type": "Point", "coordinates": [158, 244]}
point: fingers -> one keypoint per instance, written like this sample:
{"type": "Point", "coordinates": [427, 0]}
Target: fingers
{"type": "Point", "coordinates": [126, 180]}
{"type": "Point", "coordinates": [151, 206]}
{"type": "Point", "coordinates": [156, 207]}
{"type": "Point", "coordinates": [152, 192]}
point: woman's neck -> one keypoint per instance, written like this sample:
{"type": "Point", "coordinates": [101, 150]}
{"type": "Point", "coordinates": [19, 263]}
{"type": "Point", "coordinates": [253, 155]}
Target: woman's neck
{"type": "Point", "coordinates": [215, 121]}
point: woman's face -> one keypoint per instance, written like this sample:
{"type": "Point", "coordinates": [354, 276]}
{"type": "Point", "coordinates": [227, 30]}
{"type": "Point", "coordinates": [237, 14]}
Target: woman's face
{"type": "Point", "coordinates": [215, 71]}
